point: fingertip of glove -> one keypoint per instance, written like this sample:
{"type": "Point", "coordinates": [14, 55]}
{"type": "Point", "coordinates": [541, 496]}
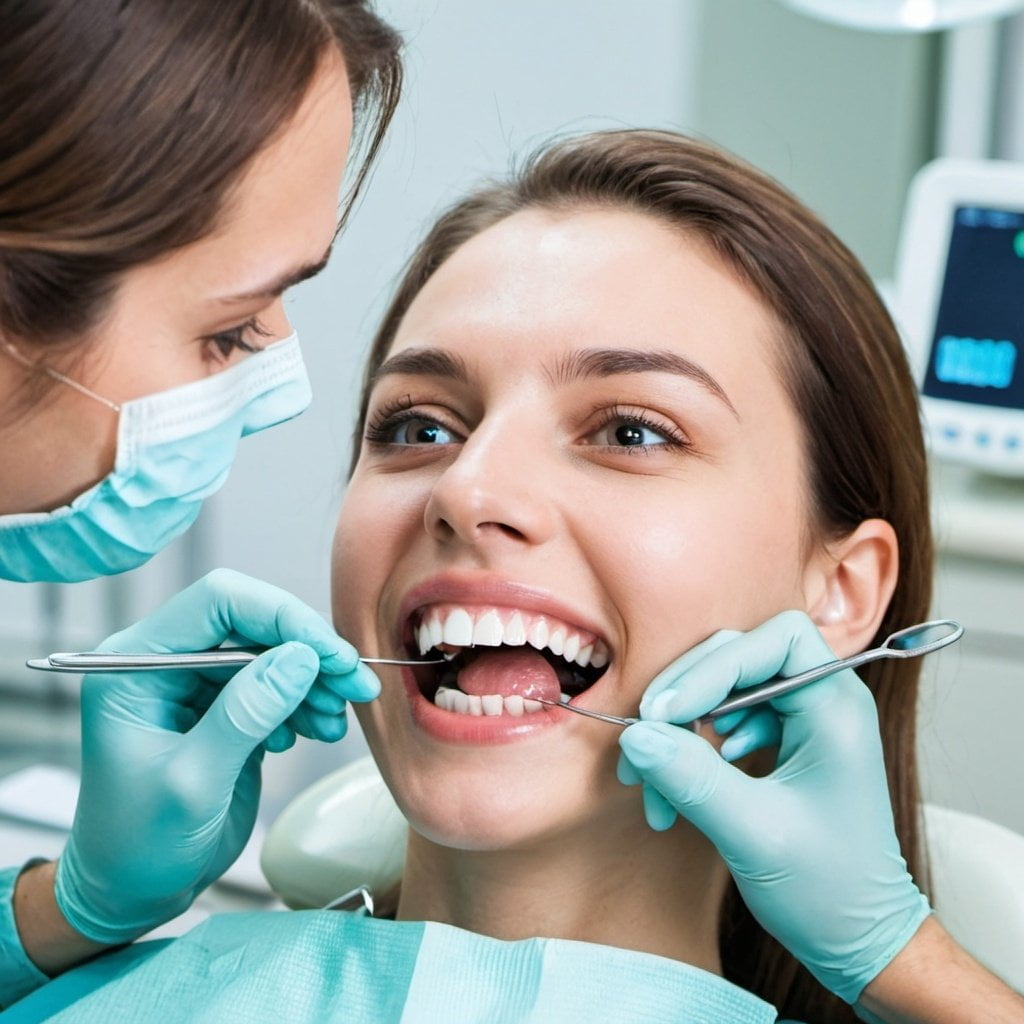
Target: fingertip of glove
{"type": "Point", "coordinates": [660, 814]}
{"type": "Point", "coordinates": [344, 659]}
{"type": "Point", "coordinates": [648, 745]}
{"type": "Point", "coordinates": [290, 660]}
{"type": "Point", "coordinates": [657, 706]}
{"type": "Point", "coordinates": [626, 773]}
{"type": "Point", "coordinates": [360, 685]}
{"type": "Point", "coordinates": [280, 740]}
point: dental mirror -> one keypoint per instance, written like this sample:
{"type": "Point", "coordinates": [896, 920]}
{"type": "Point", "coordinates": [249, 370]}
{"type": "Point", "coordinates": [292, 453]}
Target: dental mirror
{"type": "Point", "coordinates": [912, 642]}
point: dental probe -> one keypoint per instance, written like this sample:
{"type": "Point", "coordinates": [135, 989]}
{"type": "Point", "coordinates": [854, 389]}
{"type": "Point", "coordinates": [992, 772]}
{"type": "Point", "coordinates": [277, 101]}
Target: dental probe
{"type": "Point", "coordinates": [912, 642]}
{"type": "Point", "coordinates": [224, 657]}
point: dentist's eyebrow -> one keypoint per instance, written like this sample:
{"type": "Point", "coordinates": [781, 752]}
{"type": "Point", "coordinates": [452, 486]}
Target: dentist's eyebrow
{"type": "Point", "coordinates": [279, 285]}
{"type": "Point", "coordinates": [610, 362]}
{"type": "Point", "coordinates": [423, 362]}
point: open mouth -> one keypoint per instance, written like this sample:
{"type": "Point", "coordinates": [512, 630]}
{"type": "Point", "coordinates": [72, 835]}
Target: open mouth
{"type": "Point", "coordinates": [503, 659]}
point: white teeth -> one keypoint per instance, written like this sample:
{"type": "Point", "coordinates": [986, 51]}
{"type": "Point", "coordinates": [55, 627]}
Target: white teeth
{"type": "Point", "coordinates": [538, 635]}
{"type": "Point", "coordinates": [435, 631]}
{"type": "Point", "coordinates": [515, 631]}
{"type": "Point", "coordinates": [556, 642]}
{"type": "Point", "coordinates": [488, 631]}
{"type": "Point", "coordinates": [490, 704]}
{"type": "Point", "coordinates": [493, 703]}
{"type": "Point", "coordinates": [572, 647]}
{"type": "Point", "coordinates": [458, 630]}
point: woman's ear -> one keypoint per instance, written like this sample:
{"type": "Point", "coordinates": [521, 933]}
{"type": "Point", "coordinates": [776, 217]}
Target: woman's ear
{"type": "Point", "coordinates": [849, 584]}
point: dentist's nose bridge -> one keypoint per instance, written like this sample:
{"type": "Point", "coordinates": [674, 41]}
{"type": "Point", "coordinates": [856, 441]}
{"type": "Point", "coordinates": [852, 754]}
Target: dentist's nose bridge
{"type": "Point", "coordinates": [491, 486]}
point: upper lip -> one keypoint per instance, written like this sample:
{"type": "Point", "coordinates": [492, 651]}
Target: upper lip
{"type": "Point", "coordinates": [475, 589]}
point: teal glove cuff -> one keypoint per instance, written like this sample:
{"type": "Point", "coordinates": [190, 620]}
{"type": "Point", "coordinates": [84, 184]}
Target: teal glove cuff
{"type": "Point", "coordinates": [849, 985]}
{"type": "Point", "coordinates": [73, 906]}
{"type": "Point", "coordinates": [18, 975]}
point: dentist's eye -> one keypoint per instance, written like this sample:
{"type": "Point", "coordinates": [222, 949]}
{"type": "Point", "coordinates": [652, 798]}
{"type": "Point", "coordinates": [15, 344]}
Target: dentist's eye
{"type": "Point", "coordinates": [635, 431]}
{"type": "Point", "coordinates": [219, 347]}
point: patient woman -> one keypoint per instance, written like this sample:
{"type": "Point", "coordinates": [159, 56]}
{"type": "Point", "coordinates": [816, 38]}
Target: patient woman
{"type": "Point", "coordinates": [635, 416]}
{"type": "Point", "coordinates": [639, 402]}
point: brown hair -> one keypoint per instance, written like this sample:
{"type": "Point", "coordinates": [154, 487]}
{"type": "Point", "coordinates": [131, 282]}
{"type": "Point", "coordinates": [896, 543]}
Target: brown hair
{"type": "Point", "coordinates": [124, 124]}
{"type": "Point", "coordinates": [848, 378]}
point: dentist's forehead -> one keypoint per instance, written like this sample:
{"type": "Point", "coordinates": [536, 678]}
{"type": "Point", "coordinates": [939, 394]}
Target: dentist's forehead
{"type": "Point", "coordinates": [588, 278]}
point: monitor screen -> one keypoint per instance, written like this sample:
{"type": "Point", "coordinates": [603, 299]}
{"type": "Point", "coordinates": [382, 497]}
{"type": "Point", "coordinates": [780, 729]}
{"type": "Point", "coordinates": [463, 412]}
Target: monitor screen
{"type": "Point", "coordinates": [977, 349]}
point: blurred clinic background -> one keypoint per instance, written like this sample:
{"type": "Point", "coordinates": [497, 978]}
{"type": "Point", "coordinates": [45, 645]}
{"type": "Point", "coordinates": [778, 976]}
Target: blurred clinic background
{"type": "Point", "coordinates": [841, 115]}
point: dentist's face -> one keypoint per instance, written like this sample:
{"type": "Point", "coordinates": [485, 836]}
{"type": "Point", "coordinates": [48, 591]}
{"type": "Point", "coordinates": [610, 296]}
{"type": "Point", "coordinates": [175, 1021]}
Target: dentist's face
{"type": "Point", "coordinates": [193, 312]}
{"type": "Point", "coordinates": [580, 461]}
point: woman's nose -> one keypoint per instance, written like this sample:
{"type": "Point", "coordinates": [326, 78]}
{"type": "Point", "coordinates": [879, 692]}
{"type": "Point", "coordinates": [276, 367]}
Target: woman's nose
{"type": "Point", "coordinates": [493, 492]}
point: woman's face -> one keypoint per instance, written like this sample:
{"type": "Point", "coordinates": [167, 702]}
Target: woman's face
{"type": "Point", "coordinates": [579, 448]}
{"type": "Point", "coordinates": [192, 313]}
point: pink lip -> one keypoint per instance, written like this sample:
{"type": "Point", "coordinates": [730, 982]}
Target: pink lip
{"type": "Point", "coordinates": [476, 589]}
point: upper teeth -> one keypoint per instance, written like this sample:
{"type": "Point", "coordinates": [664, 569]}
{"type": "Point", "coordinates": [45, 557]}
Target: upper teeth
{"type": "Point", "coordinates": [492, 627]}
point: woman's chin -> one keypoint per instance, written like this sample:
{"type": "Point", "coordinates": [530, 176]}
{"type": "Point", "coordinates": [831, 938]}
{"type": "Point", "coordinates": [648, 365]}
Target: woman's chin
{"type": "Point", "coordinates": [469, 819]}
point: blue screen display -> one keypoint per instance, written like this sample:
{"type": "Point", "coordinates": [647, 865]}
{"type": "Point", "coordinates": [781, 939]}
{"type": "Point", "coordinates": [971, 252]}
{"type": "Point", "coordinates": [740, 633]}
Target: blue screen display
{"type": "Point", "coordinates": [977, 352]}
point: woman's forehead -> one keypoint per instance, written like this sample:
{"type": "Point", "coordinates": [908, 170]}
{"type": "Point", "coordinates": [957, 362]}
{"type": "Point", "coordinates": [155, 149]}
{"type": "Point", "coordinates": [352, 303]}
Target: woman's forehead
{"type": "Point", "coordinates": [543, 282]}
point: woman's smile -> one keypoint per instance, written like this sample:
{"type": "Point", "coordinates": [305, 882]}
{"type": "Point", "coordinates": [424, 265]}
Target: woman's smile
{"type": "Point", "coordinates": [507, 644]}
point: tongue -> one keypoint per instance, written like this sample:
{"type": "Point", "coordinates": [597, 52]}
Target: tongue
{"type": "Point", "coordinates": [521, 670]}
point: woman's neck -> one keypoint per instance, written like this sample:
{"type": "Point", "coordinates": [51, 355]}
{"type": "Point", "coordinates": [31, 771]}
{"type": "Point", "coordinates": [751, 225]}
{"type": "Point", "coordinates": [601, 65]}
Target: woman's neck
{"type": "Point", "coordinates": [625, 886]}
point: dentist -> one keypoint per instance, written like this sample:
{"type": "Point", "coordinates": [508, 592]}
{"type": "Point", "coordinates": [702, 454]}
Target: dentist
{"type": "Point", "coordinates": [167, 171]}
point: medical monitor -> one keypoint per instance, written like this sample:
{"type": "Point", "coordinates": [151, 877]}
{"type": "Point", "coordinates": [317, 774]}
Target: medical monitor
{"type": "Point", "coordinates": [959, 301]}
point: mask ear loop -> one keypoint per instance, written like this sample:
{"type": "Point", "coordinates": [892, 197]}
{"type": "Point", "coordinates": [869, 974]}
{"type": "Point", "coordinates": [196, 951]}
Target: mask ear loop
{"type": "Point", "coordinates": [58, 376]}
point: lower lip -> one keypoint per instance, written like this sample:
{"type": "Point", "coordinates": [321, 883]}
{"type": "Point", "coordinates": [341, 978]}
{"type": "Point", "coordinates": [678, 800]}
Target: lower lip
{"type": "Point", "coordinates": [452, 727]}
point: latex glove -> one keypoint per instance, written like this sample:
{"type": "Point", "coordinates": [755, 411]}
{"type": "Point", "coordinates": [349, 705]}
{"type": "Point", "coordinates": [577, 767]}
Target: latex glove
{"type": "Point", "coordinates": [812, 846]}
{"type": "Point", "coordinates": [171, 760]}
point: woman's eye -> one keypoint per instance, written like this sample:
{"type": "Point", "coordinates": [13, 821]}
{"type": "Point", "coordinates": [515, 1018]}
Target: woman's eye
{"type": "Point", "coordinates": [417, 430]}
{"type": "Point", "coordinates": [627, 433]}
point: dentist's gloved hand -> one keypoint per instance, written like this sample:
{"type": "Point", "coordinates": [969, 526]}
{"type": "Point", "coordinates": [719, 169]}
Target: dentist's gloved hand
{"type": "Point", "coordinates": [171, 760]}
{"type": "Point", "coordinates": [812, 846]}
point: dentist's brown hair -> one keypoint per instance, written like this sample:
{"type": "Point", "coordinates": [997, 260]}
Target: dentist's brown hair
{"type": "Point", "coordinates": [849, 381]}
{"type": "Point", "coordinates": [124, 125]}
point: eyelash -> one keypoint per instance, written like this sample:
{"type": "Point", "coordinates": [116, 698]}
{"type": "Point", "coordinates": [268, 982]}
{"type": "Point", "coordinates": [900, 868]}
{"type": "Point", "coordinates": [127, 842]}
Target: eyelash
{"type": "Point", "coordinates": [384, 420]}
{"type": "Point", "coordinates": [381, 425]}
{"type": "Point", "coordinates": [675, 439]}
{"type": "Point", "coordinates": [226, 342]}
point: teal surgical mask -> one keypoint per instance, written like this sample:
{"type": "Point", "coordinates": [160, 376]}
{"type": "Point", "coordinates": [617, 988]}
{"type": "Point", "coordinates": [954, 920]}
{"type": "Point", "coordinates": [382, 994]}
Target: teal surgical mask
{"type": "Point", "coordinates": [174, 449]}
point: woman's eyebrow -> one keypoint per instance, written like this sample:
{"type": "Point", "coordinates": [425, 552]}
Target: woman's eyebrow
{"type": "Point", "coordinates": [423, 362]}
{"type": "Point", "coordinates": [609, 362]}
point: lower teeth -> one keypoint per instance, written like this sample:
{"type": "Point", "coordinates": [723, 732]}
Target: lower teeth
{"type": "Point", "coordinates": [491, 704]}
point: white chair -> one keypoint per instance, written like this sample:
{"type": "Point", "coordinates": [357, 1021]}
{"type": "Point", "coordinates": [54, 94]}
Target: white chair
{"type": "Point", "coordinates": [346, 830]}
{"type": "Point", "coordinates": [977, 875]}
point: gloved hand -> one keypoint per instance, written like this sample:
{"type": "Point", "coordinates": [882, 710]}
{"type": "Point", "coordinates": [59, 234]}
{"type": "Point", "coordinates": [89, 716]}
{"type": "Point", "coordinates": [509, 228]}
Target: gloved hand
{"type": "Point", "coordinates": [171, 760]}
{"type": "Point", "coordinates": [812, 846]}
